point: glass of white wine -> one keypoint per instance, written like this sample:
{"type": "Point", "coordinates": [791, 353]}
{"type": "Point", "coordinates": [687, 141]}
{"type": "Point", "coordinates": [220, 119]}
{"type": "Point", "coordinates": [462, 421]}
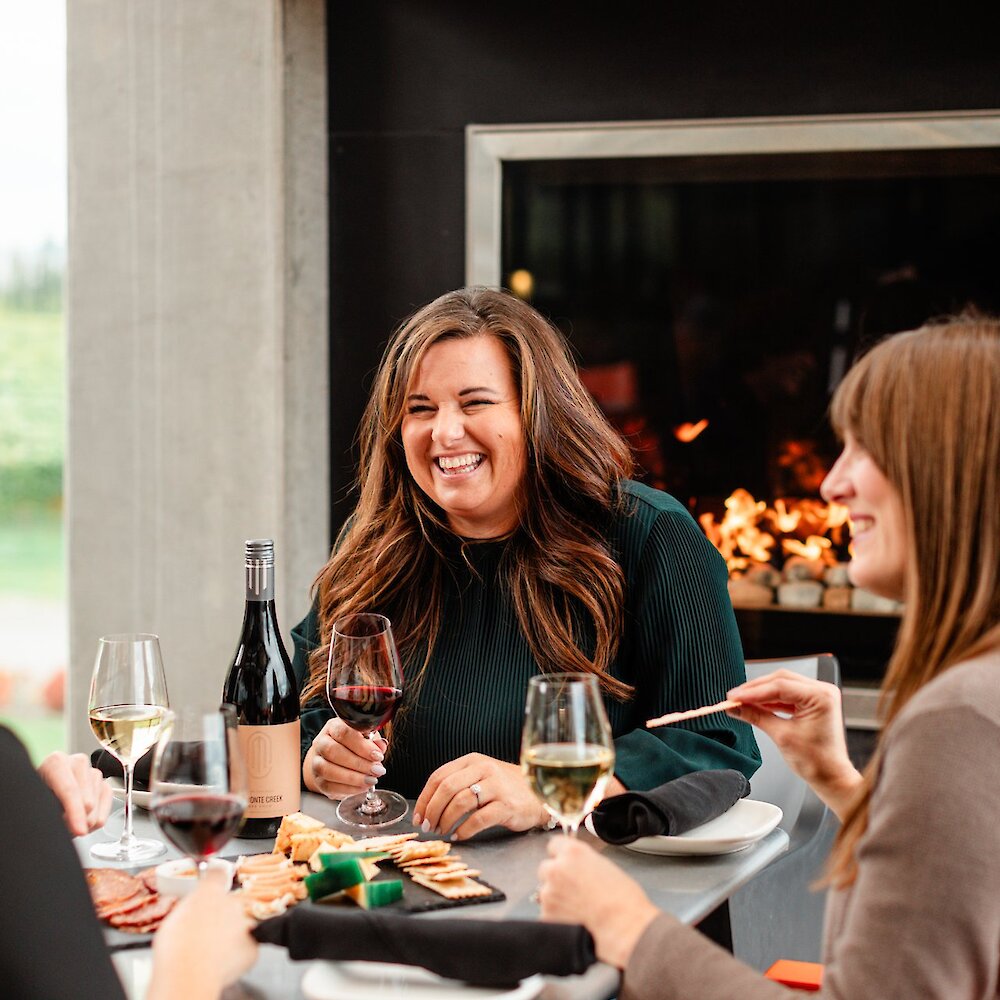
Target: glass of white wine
{"type": "Point", "coordinates": [128, 703]}
{"type": "Point", "coordinates": [567, 753]}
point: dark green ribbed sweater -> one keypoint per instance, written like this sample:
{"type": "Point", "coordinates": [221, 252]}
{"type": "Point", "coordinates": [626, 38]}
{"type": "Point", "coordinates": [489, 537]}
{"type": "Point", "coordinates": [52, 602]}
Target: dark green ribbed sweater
{"type": "Point", "coordinates": [680, 649]}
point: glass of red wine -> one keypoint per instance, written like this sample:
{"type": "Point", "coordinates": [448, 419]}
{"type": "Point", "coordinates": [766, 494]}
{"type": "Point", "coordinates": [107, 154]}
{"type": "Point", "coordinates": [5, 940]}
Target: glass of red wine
{"type": "Point", "coordinates": [199, 782]}
{"type": "Point", "coordinates": [364, 684]}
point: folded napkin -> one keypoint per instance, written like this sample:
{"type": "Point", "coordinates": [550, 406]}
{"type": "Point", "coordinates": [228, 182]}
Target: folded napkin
{"type": "Point", "coordinates": [111, 767]}
{"type": "Point", "coordinates": [484, 952]}
{"type": "Point", "coordinates": [676, 807]}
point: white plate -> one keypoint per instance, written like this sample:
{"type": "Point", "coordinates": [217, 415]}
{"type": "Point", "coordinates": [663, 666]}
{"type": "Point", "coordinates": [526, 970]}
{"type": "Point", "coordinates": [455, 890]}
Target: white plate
{"type": "Point", "coordinates": [140, 799]}
{"type": "Point", "coordinates": [743, 825]}
{"type": "Point", "coordinates": [385, 981]}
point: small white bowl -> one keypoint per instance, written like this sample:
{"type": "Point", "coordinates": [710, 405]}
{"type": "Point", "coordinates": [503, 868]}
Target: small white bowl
{"type": "Point", "coordinates": [179, 877]}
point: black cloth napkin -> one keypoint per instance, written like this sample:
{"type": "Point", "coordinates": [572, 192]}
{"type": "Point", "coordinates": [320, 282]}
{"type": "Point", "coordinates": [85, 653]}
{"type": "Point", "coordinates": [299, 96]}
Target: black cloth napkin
{"type": "Point", "coordinates": [484, 952]}
{"type": "Point", "coordinates": [111, 767]}
{"type": "Point", "coordinates": [670, 809]}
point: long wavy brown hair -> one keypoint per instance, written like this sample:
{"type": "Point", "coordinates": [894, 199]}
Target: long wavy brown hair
{"type": "Point", "coordinates": [398, 550]}
{"type": "Point", "coordinates": [924, 405]}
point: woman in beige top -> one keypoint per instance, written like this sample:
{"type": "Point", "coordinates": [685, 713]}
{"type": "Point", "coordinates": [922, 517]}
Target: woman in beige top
{"type": "Point", "coordinates": [914, 907]}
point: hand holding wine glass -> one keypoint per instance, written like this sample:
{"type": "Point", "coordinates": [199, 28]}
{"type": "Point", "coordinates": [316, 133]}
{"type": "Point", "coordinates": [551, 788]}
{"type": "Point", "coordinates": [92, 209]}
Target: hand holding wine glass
{"type": "Point", "coordinates": [127, 704]}
{"type": "Point", "coordinates": [199, 782]}
{"type": "Point", "coordinates": [364, 685]}
{"type": "Point", "coordinates": [567, 753]}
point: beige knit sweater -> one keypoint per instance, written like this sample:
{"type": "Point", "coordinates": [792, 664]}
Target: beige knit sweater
{"type": "Point", "coordinates": [922, 920]}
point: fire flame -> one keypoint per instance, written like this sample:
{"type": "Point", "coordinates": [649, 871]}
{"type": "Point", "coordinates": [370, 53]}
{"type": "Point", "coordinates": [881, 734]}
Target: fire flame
{"type": "Point", "coordinates": [687, 432]}
{"type": "Point", "coordinates": [813, 548]}
{"type": "Point", "coordinates": [742, 539]}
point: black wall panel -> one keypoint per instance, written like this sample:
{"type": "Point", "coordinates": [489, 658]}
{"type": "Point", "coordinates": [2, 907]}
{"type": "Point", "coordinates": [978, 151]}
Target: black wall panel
{"type": "Point", "coordinates": [406, 77]}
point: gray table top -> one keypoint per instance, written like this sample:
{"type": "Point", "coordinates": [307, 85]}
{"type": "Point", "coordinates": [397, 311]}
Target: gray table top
{"type": "Point", "coordinates": [689, 887]}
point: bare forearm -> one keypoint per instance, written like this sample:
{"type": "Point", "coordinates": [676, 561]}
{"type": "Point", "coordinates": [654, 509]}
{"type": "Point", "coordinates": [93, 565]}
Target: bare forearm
{"type": "Point", "coordinates": [837, 791]}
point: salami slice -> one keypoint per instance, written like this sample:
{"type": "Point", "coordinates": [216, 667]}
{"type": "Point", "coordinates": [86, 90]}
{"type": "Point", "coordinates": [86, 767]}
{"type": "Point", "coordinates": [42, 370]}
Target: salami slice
{"type": "Point", "coordinates": [148, 879]}
{"type": "Point", "coordinates": [154, 910]}
{"type": "Point", "coordinates": [144, 929]}
{"type": "Point", "coordinates": [111, 885]}
{"type": "Point", "coordinates": [125, 905]}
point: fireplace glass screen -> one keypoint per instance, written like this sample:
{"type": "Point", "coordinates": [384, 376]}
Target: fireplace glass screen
{"type": "Point", "coordinates": [715, 302]}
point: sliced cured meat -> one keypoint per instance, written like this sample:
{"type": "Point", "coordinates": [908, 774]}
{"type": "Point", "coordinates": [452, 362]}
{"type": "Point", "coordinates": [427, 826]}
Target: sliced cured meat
{"type": "Point", "coordinates": [153, 910]}
{"type": "Point", "coordinates": [111, 885]}
{"type": "Point", "coordinates": [125, 905]}
{"type": "Point", "coordinates": [148, 879]}
{"type": "Point", "coordinates": [144, 929]}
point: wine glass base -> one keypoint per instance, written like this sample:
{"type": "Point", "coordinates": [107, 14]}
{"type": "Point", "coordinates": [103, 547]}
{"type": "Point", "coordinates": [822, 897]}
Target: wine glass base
{"type": "Point", "coordinates": [349, 810]}
{"type": "Point", "coordinates": [135, 850]}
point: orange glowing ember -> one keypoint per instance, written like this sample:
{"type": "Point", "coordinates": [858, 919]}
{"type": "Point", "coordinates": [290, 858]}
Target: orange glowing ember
{"type": "Point", "coordinates": [687, 432]}
{"type": "Point", "coordinates": [742, 539]}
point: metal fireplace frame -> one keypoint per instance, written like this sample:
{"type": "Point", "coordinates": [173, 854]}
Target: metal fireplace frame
{"type": "Point", "coordinates": [488, 147]}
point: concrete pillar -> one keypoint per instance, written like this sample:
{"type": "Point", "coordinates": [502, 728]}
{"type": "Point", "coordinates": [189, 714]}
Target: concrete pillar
{"type": "Point", "coordinates": [197, 323]}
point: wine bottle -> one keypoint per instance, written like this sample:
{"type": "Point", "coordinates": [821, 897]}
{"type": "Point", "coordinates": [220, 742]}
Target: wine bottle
{"type": "Point", "coordinates": [261, 685]}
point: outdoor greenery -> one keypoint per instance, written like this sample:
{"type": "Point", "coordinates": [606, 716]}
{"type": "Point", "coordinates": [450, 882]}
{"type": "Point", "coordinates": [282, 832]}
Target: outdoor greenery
{"type": "Point", "coordinates": [32, 417]}
{"type": "Point", "coordinates": [32, 408]}
{"type": "Point", "coordinates": [31, 554]}
{"type": "Point", "coordinates": [41, 734]}
{"type": "Point", "coordinates": [33, 282]}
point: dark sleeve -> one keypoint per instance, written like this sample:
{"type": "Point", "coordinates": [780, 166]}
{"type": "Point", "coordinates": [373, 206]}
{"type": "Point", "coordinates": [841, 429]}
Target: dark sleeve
{"type": "Point", "coordinates": [51, 943]}
{"type": "Point", "coordinates": [316, 711]}
{"type": "Point", "coordinates": [684, 651]}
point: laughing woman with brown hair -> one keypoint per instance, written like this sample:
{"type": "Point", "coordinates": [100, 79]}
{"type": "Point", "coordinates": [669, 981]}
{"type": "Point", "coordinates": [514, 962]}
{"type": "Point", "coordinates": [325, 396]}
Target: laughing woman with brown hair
{"type": "Point", "coordinates": [498, 529]}
{"type": "Point", "coordinates": [914, 907]}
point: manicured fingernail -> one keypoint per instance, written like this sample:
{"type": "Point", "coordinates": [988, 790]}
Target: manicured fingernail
{"type": "Point", "coordinates": [371, 780]}
{"type": "Point", "coordinates": [416, 819]}
{"type": "Point", "coordinates": [378, 755]}
{"type": "Point", "coordinates": [378, 770]}
{"type": "Point", "coordinates": [426, 826]}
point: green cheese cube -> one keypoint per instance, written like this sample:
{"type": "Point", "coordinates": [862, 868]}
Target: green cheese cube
{"type": "Point", "coordinates": [370, 895]}
{"type": "Point", "coordinates": [334, 878]}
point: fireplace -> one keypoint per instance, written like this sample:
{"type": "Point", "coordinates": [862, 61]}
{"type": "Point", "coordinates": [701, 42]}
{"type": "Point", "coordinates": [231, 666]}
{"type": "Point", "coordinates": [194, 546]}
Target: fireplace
{"type": "Point", "coordinates": [715, 279]}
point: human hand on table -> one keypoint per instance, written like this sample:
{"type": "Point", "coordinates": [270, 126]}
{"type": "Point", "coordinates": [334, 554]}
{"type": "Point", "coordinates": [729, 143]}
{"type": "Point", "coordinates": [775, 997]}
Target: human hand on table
{"type": "Point", "coordinates": [505, 798]}
{"type": "Point", "coordinates": [812, 740]}
{"type": "Point", "coordinates": [579, 886]}
{"type": "Point", "coordinates": [204, 944]}
{"type": "Point", "coordinates": [341, 761]}
{"type": "Point", "coordinates": [81, 789]}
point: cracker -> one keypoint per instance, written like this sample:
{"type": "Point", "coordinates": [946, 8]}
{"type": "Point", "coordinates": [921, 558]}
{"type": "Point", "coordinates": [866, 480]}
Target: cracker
{"type": "Point", "coordinates": [460, 888]}
{"type": "Point", "coordinates": [405, 853]}
{"type": "Point", "coordinates": [422, 862]}
{"type": "Point", "coordinates": [265, 893]}
{"type": "Point", "coordinates": [303, 845]}
{"type": "Point", "coordinates": [268, 892]}
{"type": "Point", "coordinates": [384, 843]}
{"type": "Point", "coordinates": [258, 909]}
{"type": "Point", "coordinates": [285, 876]}
{"type": "Point", "coordinates": [294, 823]}
{"type": "Point", "coordinates": [435, 867]}
{"type": "Point", "coordinates": [450, 876]}
{"type": "Point", "coordinates": [260, 863]}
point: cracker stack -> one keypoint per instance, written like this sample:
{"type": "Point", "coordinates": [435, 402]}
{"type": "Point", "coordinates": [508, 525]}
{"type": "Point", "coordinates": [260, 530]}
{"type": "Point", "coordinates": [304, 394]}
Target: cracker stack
{"type": "Point", "coordinates": [431, 864]}
{"type": "Point", "coordinates": [270, 884]}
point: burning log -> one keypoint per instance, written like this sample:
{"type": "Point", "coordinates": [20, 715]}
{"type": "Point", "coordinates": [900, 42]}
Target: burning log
{"type": "Point", "coordinates": [806, 536]}
{"type": "Point", "coordinates": [800, 594]}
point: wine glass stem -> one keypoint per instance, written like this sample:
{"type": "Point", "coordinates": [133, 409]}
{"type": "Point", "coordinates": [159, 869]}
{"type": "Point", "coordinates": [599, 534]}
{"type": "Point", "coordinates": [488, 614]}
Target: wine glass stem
{"type": "Point", "coordinates": [202, 867]}
{"type": "Point", "coordinates": [372, 804]}
{"type": "Point", "coordinates": [127, 827]}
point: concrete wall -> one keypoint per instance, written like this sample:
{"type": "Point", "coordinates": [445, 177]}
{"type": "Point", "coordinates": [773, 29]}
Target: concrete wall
{"type": "Point", "coordinates": [197, 323]}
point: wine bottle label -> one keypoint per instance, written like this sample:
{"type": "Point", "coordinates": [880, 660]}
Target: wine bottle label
{"type": "Point", "coordinates": [260, 580]}
{"type": "Point", "coordinates": [272, 758]}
